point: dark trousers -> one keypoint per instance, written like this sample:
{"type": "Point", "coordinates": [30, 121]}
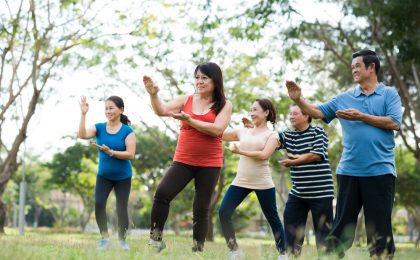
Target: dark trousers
{"type": "Point", "coordinates": [122, 192]}
{"type": "Point", "coordinates": [174, 181]}
{"type": "Point", "coordinates": [376, 196]}
{"type": "Point", "coordinates": [267, 199]}
{"type": "Point", "coordinates": [295, 216]}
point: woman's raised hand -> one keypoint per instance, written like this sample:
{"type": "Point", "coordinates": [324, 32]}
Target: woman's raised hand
{"type": "Point", "coordinates": [150, 86]}
{"type": "Point", "coordinates": [84, 106]}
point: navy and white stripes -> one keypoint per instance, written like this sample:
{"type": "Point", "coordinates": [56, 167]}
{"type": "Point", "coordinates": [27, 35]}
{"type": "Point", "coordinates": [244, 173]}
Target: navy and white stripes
{"type": "Point", "coordinates": [312, 180]}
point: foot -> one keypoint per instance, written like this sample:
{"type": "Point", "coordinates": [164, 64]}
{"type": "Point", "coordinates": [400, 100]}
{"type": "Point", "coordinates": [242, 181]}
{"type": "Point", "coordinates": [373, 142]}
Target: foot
{"type": "Point", "coordinates": [157, 245]}
{"type": "Point", "coordinates": [124, 245]}
{"type": "Point", "coordinates": [283, 257]}
{"type": "Point", "coordinates": [197, 246]}
{"type": "Point", "coordinates": [234, 255]}
{"type": "Point", "coordinates": [104, 244]}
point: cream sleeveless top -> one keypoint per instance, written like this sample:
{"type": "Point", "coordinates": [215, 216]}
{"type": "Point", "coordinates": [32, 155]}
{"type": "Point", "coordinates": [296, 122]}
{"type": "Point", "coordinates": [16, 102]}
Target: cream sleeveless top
{"type": "Point", "coordinates": [253, 173]}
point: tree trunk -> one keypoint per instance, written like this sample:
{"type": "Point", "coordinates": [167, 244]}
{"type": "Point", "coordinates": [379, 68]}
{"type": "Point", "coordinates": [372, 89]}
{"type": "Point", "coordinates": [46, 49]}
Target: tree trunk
{"type": "Point", "coordinates": [214, 200]}
{"type": "Point", "coordinates": [2, 216]}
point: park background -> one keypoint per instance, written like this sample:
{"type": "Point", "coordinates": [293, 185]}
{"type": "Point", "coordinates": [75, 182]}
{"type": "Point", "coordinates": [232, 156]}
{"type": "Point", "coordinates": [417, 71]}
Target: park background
{"type": "Point", "coordinates": [52, 52]}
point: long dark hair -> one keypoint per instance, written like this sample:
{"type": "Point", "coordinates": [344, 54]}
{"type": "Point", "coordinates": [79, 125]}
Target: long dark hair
{"type": "Point", "coordinates": [120, 104]}
{"type": "Point", "coordinates": [213, 71]}
{"type": "Point", "coordinates": [266, 104]}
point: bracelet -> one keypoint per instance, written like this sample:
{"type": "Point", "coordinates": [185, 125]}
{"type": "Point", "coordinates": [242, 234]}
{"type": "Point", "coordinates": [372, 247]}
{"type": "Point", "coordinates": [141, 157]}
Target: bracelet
{"type": "Point", "coordinates": [112, 153]}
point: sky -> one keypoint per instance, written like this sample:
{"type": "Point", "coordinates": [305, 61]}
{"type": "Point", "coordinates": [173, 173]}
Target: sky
{"type": "Point", "coordinates": [55, 120]}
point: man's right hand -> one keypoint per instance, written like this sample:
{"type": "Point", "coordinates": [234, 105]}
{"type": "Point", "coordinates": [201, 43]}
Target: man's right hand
{"type": "Point", "coordinates": [150, 86]}
{"type": "Point", "coordinates": [293, 90]}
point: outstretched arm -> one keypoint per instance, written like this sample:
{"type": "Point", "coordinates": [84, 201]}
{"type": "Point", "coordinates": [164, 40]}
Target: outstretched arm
{"type": "Point", "coordinates": [230, 135]}
{"type": "Point", "coordinates": [295, 93]}
{"type": "Point", "coordinates": [161, 108]}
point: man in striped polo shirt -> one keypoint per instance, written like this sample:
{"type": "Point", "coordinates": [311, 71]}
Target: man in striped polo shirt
{"type": "Point", "coordinates": [369, 114]}
{"type": "Point", "coordinates": [313, 188]}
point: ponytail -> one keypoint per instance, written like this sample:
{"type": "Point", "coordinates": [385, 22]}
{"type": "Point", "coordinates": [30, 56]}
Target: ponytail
{"type": "Point", "coordinates": [124, 119]}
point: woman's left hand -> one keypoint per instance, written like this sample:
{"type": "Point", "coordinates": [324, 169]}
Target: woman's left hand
{"type": "Point", "coordinates": [106, 149]}
{"type": "Point", "coordinates": [233, 147]}
{"type": "Point", "coordinates": [181, 116]}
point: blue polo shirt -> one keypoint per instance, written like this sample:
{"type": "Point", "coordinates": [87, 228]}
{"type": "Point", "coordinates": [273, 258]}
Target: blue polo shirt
{"type": "Point", "coordinates": [367, 150]}
{"type": "Point", "coordinates": [110, 167]}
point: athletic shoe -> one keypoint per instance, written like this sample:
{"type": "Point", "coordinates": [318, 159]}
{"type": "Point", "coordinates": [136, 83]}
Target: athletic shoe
{"type": "Point", "coordinates": [283, 257]}
{"type": "Point", "coordinates": [234, 255]}
{"type": "Point", "coordinates": [157, 245]}
{"type": "Point", "coordinates": [124, 245]}
{"type": "Point", "coordinates": [197, 247]}
{"type": "Point", "coordinates": [104, 244]}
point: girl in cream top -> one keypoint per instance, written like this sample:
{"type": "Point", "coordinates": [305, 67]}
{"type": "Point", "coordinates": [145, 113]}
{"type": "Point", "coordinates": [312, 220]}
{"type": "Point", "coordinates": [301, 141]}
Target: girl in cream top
{"type": "Point", "coordinates": [253, 173]}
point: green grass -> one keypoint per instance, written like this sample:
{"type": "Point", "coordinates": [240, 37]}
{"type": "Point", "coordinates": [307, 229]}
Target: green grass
{"type": "Point", "coordinates": [47, 245]}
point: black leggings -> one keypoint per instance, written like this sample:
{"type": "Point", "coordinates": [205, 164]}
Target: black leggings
{"type": "Point", "coordinates": [122, 191]}
{"type": "Point", "coordinates": [174, 181]}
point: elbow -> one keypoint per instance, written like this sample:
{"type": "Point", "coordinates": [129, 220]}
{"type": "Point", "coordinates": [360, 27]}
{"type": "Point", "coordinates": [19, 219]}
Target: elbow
{"type": "Point", "coordinates": [264, 157]}
{"type": "Point", "coordinates": [395, 127]}
{"type": "Point", "coordinates": [217, 132]}
{"type": "Point", "coordinates": [317, 115]}
{"type": "Point", "coordinates": [159, 113]}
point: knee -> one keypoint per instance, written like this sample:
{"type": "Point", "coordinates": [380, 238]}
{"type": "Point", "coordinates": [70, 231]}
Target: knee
{"type": "Point", "coordinates": [100, 204]}
{"type": "Point", "coordinates": [162, 197]}
{"type": "Point", "coordinates": [201, 212]}
{"type": "Point", "coordinates": [225, 213]}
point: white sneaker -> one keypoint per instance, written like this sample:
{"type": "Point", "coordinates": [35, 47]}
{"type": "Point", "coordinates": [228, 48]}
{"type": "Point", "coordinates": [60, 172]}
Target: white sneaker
{"type": "Point", "coordinates": [104, 244]}
{"type": "Point", "coordinates": [124, 245]}
{"type": "Point", "coordinates": [283, 257]}
{"type": "Point", "coordinates": [234, 255]}
{"type": "Point", "coordinates": [157, 245]}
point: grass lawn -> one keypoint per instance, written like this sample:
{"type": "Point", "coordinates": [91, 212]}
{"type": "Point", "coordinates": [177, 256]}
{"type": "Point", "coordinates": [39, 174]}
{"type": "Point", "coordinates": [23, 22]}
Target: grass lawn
{"type": "Point", "coordinates": [58, 246]}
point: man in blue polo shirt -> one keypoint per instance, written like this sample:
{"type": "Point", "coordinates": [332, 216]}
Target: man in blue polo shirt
{"type": "Point", "coordinates": [369, 114]}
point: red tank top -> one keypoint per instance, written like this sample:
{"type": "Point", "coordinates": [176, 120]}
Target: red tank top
{"type": "Point", "coordinates": [196, 148]}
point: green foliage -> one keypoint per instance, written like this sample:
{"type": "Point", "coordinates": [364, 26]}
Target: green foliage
{"type": "Point", "coordinates": [408, 181]}
{"type": "Point", "coordinates": [74, 171]}
{"type": "Point", "coordinates": [66, 166]}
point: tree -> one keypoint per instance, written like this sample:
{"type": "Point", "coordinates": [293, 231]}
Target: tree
{"type": "Point", "coordinates": [38, 39]}
{"type": "Point", "coordinates": [390, 28]}
{"type": "Point", "coordinates": [407, 190]}
{"type": "Point", "coordinates": [74, 171]}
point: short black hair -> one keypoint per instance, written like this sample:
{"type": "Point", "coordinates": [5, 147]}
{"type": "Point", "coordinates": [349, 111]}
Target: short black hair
{"type": "Point", "coordinates": [369, 57]}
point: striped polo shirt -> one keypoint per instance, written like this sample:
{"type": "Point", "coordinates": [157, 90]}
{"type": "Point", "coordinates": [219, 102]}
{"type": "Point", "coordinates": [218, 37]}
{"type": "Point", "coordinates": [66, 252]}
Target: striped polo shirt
{"type": "Point", "coordinates": [312, 180]}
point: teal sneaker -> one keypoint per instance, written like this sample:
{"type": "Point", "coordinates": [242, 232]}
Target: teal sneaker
{"type": "Point", "coordinates": [157, 245]}
{"type": "Point", "coordinates": [104, 244]}
{"type": "Point", "coordinates": [124, 245]}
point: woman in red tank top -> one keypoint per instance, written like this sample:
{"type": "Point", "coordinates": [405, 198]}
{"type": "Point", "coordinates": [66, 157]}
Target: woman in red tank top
{"type": "Point", "coordinates": [199, 153]}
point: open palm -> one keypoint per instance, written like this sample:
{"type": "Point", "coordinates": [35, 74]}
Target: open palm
{"type": "Point", "coordinates": [84, 105]}
{"type": "Point", "coordinates": [293, 90]}
{"type": "Point", "coordinates": [150, 86]}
